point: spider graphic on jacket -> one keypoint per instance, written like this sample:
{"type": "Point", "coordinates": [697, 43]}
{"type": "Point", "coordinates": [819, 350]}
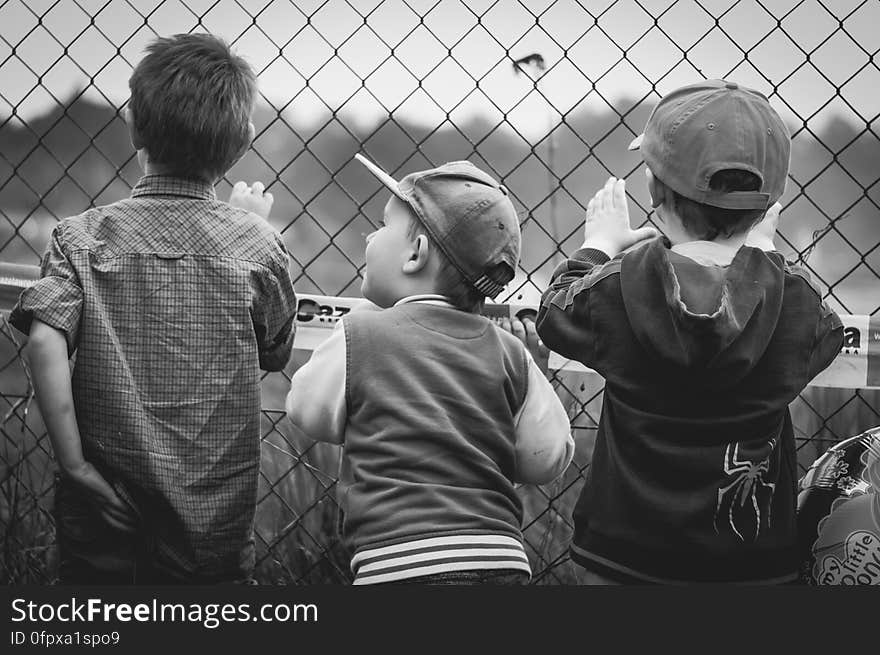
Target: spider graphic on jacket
{"type": "Point", "coordinates": [744, 503]}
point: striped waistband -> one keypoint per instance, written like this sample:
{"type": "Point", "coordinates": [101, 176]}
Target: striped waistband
{"type": "Point", "coordinates": [413, 559]}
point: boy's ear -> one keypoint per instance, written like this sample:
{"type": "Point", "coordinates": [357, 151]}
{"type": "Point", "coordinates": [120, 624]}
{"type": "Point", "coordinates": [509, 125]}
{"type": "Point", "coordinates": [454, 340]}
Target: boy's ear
{"type": "Point", "coordinates": [659, 191]}
{"type": "Point", "coordinates": [419, 256]}
{"type": "Point", "coordinates": [136, 141]}
{"type": "Point", "coordinates": [251, 133]}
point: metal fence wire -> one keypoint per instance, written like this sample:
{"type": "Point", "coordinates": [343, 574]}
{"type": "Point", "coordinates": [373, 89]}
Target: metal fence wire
{"type": "Point", "coordinates": [544, 94]}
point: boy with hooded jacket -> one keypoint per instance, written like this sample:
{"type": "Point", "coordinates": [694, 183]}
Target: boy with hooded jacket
{"type": "Point", "coordinates": [703, 337]}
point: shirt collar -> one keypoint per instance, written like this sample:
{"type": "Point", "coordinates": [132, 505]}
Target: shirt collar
{"type": "Point", "coordinates": [166, 185]}
{"type": "Point", "coordinates": [427, 298]}
{"type": "Point", "coordinates": [708, 253]}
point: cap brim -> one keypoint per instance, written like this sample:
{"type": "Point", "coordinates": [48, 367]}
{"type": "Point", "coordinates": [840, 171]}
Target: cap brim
{"type": "Point", "coordinates": [382, 176]}
{"type": "Point", "coordinates": [636, 143]}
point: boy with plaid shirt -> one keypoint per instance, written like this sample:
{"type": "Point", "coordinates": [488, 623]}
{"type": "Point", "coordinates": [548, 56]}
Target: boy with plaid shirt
{"type": "Point", "coordinates": [172, 302]}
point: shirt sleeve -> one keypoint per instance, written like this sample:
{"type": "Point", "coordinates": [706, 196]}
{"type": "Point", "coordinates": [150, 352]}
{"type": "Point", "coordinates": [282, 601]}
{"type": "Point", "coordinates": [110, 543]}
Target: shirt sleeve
{"type": "Point", "coordinates": [544, 445]}
{"type": "Point", "coordinates": [56, 299]}
{"type": "Point", "coordinates": [274, 312]}
{"type": "Point", "coordinates": [316, 401]}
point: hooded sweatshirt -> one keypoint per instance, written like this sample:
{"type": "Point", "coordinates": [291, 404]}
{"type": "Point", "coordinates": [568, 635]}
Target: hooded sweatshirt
{"type": "Point", "coordinates": [694, 471]}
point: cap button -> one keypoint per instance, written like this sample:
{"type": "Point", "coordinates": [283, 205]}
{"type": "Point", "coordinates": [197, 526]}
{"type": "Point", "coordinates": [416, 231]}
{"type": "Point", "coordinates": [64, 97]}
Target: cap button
{"type": "Point", "coordinates": [732, 85]}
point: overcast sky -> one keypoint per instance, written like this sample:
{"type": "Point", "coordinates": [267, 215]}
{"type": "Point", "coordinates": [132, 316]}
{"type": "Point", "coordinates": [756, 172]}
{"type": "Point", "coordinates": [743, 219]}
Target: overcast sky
{"type": "Point", "coordinates": [315, 56]}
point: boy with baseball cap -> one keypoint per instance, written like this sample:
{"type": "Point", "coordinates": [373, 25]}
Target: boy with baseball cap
{"type": "Point", "coordinates": [704, 337]}
{"type": "Point", "coordinates": [439, 411]}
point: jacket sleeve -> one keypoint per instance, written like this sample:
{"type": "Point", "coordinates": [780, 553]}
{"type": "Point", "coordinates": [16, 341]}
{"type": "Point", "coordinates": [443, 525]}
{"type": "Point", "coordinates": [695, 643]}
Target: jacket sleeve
{"type": "Point", "coordinates": [316, 401]}
{"type": "Point", "coordinates": [544, 445]}
{"type": "Point", "coordinates": [564, 321]}
{"type": "Point", "coordinates": [828, 341]}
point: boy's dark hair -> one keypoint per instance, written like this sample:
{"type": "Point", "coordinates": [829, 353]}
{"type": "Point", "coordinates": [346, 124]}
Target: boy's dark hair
{"type": "Point", "coordinates": [191, 102]}
{"type": "Point", "coordinates": [707, 222]}
{"type": "Point", "coordinates": [450, 282]}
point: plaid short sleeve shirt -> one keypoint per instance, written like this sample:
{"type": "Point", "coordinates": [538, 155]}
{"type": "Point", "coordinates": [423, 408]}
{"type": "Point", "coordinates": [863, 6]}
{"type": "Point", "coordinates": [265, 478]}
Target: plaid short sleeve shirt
{"type": "Point", "coordinates": [172, 302]}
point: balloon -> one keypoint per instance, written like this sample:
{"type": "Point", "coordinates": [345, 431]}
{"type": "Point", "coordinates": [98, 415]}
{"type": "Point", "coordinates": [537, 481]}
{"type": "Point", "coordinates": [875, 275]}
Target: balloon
{"type": "Point", "coordinates": [838, 514]}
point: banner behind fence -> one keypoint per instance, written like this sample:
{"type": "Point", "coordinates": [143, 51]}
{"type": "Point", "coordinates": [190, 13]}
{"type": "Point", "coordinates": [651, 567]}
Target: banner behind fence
{"type": "Point", "coordinates": [544, 94]}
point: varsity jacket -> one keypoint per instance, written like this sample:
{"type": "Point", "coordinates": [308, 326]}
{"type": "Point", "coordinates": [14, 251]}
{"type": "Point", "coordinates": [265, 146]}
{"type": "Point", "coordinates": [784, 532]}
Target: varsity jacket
{"type": "Point", "coordinates": [693, 477]}
{"type": "Point", "coordinates": [440, 414]}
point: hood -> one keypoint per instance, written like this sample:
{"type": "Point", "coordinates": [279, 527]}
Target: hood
{"type": "Point", "coordinates": [713, 321]}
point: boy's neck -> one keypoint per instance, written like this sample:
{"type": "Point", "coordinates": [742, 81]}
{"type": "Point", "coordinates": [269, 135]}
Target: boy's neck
{"type": "Point", "coordinates": [719, 252]}
{"type": "Point", "coordinates": [156, 169]}
{"type": "Point", "coordinates": [678, 235]}
{"type": "Point", "coordinates": [416, 288]}
{"type": "Point", "coordinates": [151, 168]}
{"type": "Point", "coordinates": [734, 243]}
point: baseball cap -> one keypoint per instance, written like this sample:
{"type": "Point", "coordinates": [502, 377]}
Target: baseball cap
{"type": "Point", "coordinates": [702, 128]}
{"type": "Point", "coordinates": [468, 215]}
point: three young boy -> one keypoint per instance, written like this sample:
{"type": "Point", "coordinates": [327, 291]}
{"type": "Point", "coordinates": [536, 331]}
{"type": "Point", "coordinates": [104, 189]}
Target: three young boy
{"type": "Point", "coordinates": [172, 301]}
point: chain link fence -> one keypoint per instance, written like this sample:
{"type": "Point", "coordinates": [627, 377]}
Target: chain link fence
{"type": "Point", "coordinates": [544, 94]}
